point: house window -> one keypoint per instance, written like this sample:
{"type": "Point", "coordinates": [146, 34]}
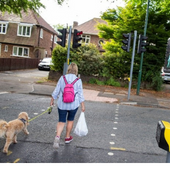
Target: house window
{"type": "Point", "coordinates": [51, 37]}
{"type": "Point", "coordinates": [21, 51]}
{"type": "Point", "coordinates": [41, 33]}
{"type": "Point", "coordinates": [6, 48]}
{"type": "Point", "coordinates": [55, 39]}
{"type": "Point", "coordinates": [100, 42]}
{"type": "Point", "coordinates": [24, 30]}
{"type": "Point", "coordinates": [86, 39]}
{"type": "Point", "coordinates": [3, 27]}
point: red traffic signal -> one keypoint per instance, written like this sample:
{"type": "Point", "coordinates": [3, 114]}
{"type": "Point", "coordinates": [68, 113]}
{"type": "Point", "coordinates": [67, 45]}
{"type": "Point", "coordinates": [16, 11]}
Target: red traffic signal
{"type": "Point", "coordinates": [76, 38]}
{"type": "Point", "coordinates": [79, 33]}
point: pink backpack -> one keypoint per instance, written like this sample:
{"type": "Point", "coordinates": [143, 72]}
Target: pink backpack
{"type": "Point", "coordinates": [68, 94]}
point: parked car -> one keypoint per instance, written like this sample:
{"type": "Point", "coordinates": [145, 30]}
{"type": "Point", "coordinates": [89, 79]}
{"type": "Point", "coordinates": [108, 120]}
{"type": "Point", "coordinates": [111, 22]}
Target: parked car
{"type": "Point", "coordinates": [45, 64]}
{"type": "Point", "coordinates": [165, 76]}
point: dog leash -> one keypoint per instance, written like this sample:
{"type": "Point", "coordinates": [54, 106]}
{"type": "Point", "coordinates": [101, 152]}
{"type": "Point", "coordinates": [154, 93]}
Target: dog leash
{"type": "Point", "coordinates": [49, 110]}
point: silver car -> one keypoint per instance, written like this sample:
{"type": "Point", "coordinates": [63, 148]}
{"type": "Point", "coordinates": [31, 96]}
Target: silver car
{"type": "Point", "coordinates": [165, 76]}
{"type": "Point", "coordinates": [45, 64]}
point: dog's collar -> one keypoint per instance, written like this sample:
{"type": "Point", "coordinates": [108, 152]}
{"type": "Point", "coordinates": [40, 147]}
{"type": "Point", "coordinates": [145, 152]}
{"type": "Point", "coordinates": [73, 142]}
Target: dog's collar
{"type": "Point", "coordinates": [22, 120]}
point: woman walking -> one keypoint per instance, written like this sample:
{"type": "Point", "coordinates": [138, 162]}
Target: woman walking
{"type": "Point", "coordinates": [67, 111]}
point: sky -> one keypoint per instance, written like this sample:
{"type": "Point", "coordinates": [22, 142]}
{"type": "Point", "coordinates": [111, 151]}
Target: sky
{"type": "Point", "coordinates": [75, 10]}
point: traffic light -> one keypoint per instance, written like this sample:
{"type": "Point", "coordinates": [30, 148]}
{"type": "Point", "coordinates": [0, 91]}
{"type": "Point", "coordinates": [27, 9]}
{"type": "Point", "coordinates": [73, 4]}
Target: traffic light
{"type": "Point", "coordinates": [62, 36]}
{"type": "Point", "coordinates": [76, 38]}
{"type": "Point", "coordinates": [142, 43]}
{"type": "Point", "coordinates": [126, 41]}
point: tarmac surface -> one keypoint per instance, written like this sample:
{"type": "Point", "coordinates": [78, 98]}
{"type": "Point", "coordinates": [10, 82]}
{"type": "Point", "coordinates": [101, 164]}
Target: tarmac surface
{"type": "Point", "coordinates": [104, 94]}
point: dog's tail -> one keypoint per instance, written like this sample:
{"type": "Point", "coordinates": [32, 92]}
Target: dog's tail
{"type": "Point", "coordinates": [3, 128]}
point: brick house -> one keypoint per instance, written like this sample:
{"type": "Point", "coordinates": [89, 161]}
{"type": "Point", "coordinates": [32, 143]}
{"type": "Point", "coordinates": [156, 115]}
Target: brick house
{"type": "Point", "coordinates": [90, 32]}
{"type": "Point", "coordinates": [27, 37]}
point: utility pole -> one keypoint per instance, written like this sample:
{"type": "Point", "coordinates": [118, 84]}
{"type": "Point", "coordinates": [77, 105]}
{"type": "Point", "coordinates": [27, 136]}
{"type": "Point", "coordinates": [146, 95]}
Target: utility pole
{"type": "Point", "coordinates": [141, 60]}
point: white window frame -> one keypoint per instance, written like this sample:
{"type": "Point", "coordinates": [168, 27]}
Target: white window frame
{"type": "Point", "coordinates": [17, 50]}
{"type": "Point", "coordinates": [6, 48]}
{"type": "Point", "coordinates": [86, 39]}
{"type": "Point", "coordinates": [100, 42]}
{"type": "Point", "coordinates": [41, 33]}
{"type": "Point", "coordinates": [24, 30]}
{"type": "Point", "coordinates": [55, 39]}
{"type": "Point", "coordinates": [3, 25]}
{"type": "Point", "coordinates": [51, 37]}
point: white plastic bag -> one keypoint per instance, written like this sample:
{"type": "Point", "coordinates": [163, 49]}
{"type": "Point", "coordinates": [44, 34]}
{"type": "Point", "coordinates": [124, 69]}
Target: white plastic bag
{"type": "Point", "coordinates": [81, 126]}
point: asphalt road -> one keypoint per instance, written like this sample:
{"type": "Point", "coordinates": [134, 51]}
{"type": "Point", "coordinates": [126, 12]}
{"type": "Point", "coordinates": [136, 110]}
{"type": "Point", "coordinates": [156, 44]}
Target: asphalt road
{"type": "Point", "coordinates": [117, 133]}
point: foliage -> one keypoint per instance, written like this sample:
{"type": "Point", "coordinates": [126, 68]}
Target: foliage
{"type": "Point", "coordinates": [157, 82]}
{"type": "Point", "coordinates": [110, 82]}
{"type": "Point", "coordinates": [87, 58]}
{"type": "Point", "coordinates": [127, 19]}
{"type": "Point", "coordinates": [93, 81]}
{"type": "Point", "coordinates": [16, 6]}
{"type": "Point", "coordinates": [59, 57]}
{"type": "Point", "coordinates": [58, 26]}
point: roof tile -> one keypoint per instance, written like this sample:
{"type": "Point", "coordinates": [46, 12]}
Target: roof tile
{"type": "Point", "coordinates": [90, 27]}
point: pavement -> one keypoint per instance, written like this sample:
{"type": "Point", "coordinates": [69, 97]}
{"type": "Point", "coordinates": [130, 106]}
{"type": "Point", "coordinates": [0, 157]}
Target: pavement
{"type": "Point", "coordinates": [109, 96]}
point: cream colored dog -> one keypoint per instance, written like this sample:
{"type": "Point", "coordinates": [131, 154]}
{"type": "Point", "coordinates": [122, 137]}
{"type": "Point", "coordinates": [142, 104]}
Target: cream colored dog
{"type": "Point", "coordinates": [11, 129]}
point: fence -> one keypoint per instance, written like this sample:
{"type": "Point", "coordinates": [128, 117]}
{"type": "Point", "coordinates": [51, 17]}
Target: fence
{"type": "Point", "coordinates": [7, 64]}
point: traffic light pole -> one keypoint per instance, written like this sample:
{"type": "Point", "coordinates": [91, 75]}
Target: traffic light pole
{"type": "Point", "coordinates": [141, 61]}
{"type": "Point", "coordinates": [68, 52]}
{"type": "Point", "coordinates": [132, 61]}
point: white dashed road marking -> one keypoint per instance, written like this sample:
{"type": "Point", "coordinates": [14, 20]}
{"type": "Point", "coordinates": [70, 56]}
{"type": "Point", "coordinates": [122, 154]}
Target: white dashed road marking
{"type": "Point", "coordinates": [113, 135]}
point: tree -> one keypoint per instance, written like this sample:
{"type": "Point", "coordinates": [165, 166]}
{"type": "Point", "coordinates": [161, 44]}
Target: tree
{"type": "Point", "coordinates": [130, 18]}
{"type": "Point", "coordinates": [58, 26]}
{"type": "Point", "coordinates": [16, 6]}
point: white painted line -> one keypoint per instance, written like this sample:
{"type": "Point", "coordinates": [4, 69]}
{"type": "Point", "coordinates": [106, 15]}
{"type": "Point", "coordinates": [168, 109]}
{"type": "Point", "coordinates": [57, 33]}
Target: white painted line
{"type": "Point", "coordinates": [115, 122]}
{"type": "Point", "coordinates": [116, 118]}
{"type": "Point", "coordinates": [115, 128]}
{"type": "Point", "coordinates": [112, 143]}
{"type": "Point", "coordinates": [3, 92]}
{"type": "Point", "coordinates": [113, 135]}
{"type": "Point", "coordinates": [110, 153]}
{"type": "Point", "coordinates": [35, 113]}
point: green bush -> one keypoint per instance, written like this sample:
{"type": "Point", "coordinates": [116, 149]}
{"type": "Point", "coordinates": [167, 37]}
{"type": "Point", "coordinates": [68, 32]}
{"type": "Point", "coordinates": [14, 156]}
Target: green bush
{"type": "Point", "coordinates": [87, 58]}
{"type": "Point", "coordinates": [93, 81]}
{"type": "Point", "coordinates": [100, 82]}
{"type": "Point", "coordinates": [112, 82]}
{"type": "Point", "coordinates": [91, 62]}
{"type": "Point", "coordinates": [59, 57]}
{"type": "Point", "coordinates": [157, 82]}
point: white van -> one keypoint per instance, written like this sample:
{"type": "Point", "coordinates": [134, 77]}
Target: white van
{"type": "Point", "coordinates": [45, 64]}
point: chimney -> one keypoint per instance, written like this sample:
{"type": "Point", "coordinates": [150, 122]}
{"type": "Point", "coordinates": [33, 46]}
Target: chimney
{"type": "Point", "coordinates": [75, 23]}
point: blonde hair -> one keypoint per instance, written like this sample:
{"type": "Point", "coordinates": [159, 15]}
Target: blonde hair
{"type": "Point", "coordinates": [73, 69]}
